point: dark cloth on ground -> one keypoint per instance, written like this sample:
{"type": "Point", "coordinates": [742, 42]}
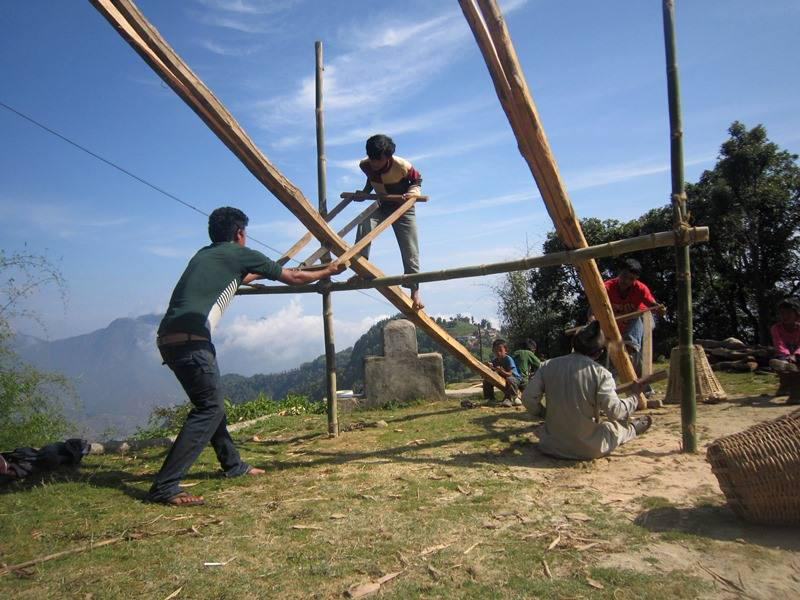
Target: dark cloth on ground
{"type": "Point", "coordinates": [23, 462]}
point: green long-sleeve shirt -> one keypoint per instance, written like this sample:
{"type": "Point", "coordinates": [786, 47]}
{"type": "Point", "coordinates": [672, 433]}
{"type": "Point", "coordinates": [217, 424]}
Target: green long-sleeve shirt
{"type": "Point", "coordinates": [209, 283]}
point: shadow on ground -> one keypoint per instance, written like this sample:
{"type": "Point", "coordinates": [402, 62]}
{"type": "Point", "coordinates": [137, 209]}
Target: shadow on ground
{"type": "Point", "coordinates": [718, 522]}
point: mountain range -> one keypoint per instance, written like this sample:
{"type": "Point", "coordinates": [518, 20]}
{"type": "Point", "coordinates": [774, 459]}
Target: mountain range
{"type": "Point", "coordinates": [119, 379]}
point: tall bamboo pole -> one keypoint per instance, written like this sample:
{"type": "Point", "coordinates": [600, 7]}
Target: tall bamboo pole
{"type": "Point", "coordinates": [494, 41]}
{"type": "Point", "coordinates": [682, 267]}
{"type": "Point", "coordinates": [327, 309]}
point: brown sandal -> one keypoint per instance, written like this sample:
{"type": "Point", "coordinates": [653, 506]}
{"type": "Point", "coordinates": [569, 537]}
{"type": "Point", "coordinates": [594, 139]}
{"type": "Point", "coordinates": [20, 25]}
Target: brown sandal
{"type": "Point", "coordinates": [184, 499]}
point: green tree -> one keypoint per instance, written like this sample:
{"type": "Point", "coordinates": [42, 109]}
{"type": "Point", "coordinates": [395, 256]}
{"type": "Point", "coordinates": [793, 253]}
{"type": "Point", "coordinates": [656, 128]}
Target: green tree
{"type": "Point", "coordinates": [751, 202]}
{"type": "Point", "coordinates": [31, 402]}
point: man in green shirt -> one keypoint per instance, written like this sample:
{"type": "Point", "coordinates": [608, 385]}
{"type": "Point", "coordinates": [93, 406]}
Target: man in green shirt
{"type": "Point", "coordinates": [201, 295]}
{"type": "Point", "coordinates": [527, 362]}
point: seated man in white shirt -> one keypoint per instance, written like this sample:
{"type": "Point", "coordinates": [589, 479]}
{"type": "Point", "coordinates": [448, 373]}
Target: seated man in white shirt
{"type": "Point", "coordinates": [577, 389]}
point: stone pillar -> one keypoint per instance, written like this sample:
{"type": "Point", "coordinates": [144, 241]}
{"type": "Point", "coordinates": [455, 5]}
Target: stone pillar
{"type": "Point", "coordinates": [402, 375]}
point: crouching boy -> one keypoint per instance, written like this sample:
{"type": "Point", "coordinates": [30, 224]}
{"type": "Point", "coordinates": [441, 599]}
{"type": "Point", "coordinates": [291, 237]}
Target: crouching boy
{"type": "Point", "coordinates": [503, 365]}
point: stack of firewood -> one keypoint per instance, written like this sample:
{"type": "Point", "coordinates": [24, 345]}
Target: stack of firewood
{"type": "Point", "coordinates": [734, 355]}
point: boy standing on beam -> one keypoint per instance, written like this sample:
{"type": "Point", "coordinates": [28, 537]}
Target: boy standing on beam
{"type": "Point", "coordinates": [390, 174]}
{"type": "Point", "coordinates": [203, 292]}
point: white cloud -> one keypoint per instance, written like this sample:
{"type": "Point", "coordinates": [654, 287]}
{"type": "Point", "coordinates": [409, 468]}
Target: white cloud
{"type": "Point", "coordinates": [282, 340]}
{"type": "Point", "coordinates": [168, 251]}
{"type": "Point", "coordinates": [250, 7]}
{"type": "Point", "coordinates": [238, 51]}
{"type": "Point", "coordinates": [385, 65]}
{"type": "Point", "coordinates": [483, 203]}
{"type": "Point", "coordinates": [237, 24]}
{"type": "Point", "coordinates": [56, 219]}
{"type": "Point", "coordinates": [606, 174]}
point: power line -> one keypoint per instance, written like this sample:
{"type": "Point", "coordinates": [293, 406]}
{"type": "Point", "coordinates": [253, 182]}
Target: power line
{"type": "Point", "coordinates": [142, 180]}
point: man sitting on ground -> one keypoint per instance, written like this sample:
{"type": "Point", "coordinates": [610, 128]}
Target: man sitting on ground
{"type": "Point", "coordinates": [577, 389]}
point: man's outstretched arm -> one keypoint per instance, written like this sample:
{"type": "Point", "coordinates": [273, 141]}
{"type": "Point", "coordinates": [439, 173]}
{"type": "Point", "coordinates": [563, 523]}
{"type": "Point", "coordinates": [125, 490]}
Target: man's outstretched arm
{"type": "Point", "coordinates": [298, 277]}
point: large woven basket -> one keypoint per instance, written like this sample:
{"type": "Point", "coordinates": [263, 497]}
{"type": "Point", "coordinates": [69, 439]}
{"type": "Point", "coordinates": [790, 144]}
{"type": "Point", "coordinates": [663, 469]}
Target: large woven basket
{"type": "Point", "coordinates": [708, 389]}
{"type": "Point", "coordinates": [759, 470]}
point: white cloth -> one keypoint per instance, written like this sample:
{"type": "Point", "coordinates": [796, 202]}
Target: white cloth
{"type": "Point", "coordinates": [576, 389]}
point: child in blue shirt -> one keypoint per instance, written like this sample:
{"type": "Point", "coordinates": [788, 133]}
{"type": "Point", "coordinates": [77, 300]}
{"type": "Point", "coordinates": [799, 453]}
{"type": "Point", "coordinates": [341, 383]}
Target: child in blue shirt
{"type": "Point", "coordinates": [504, 365]}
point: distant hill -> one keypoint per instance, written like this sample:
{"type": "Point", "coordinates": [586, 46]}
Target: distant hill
{"type": "Point", "coordinates": [309, 378]}
{"type": "Point", "coordinates": [119, 378]}
{"type": "Point", "coordinates": [116, 372]}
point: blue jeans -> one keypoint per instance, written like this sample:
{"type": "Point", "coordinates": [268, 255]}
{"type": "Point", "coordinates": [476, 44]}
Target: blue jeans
{"type": "Point", "coordinates": [195, 366]}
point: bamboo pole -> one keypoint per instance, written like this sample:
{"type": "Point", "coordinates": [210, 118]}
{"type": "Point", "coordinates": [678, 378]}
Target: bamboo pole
{"type": "Point", "coordinates": [327, 307]}
{"type": "Point", "coordinates": [683, 273]}
{"type": "Point", "coordinates": [359, 196]}
{"type": "Point", "coordinates": [621, 318]}
{"type": "Point", "coordinates": [301, 243]}
{"type": "Point", "coordinates": [647, 344]}
{"type": "Point", "coordinates": [498, 51]}
{"type": "Point", "coordinates": [644, 242]}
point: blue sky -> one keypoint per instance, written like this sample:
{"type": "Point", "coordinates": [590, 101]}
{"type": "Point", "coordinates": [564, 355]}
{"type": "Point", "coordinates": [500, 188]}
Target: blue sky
{"type": "Point", "coordinates": [410, 69]}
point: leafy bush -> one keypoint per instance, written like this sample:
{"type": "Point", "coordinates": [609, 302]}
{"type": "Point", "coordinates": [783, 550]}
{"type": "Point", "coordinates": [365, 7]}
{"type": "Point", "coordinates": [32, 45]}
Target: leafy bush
{"type": "Point", "coordinates": [29, 413]}
{"type": "Point", "coordinates": [166, 421]}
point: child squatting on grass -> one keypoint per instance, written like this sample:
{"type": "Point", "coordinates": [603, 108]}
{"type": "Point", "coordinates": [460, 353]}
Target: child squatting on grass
{"type": "Point", "coordinates": [503, 365]}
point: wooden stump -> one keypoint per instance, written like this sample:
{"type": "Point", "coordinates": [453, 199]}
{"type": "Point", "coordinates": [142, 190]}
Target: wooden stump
{"type": "Point", "coordinates": [709, 390]}
{"type": "Point", "coordinates": [789, 385]}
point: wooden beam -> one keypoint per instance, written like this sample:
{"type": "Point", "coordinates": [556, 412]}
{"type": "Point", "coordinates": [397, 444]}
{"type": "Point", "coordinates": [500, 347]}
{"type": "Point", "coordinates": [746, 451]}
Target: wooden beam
{"type": "Point", "coordinates": [498, 51]}
{"type": "Point", "coordinates": [358, 219]}
{"type": "Point", "coordinates": [300, 244]}
{"type": "Point", "coordinates": [618, 248]}
{"type": "Point", "coordinates": [358, 196]}
{"type": "Point", "coordinates": [148, 43]}
{"type": "Point", "coordinates": [647, 344]}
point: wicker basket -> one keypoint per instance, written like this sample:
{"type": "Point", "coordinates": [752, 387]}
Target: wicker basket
{"type": "Point", "coordinates": [759, 470]}
{"type": "Point", "coordinates": [707, 387]}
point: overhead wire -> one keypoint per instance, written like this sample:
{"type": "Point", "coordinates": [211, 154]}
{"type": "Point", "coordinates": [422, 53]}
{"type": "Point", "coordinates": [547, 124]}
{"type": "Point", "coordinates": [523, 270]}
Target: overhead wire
{"type": "Point", "coordinates": [145, 182]}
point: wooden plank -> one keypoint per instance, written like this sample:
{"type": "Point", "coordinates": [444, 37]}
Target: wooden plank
{"type": "Point", "coordinates": [358, 196]}
{"type": "Point", "coordinates": [495, 44]}
{"type": "Point", "coordinates": [621, 318]}
{"type": "Point", "coordinates": [300, 244]}
{"type": "Point", "coordinates": [362, 216]}
{"type": "Point", "coordinates": [647, 344]}
{"type": "Point", "coordinates": [147, 42]}
{"type": "Point", "coordinates": [353, 250]}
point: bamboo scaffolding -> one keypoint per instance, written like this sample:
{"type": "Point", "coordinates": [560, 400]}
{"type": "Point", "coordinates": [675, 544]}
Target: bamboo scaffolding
{"type": "Point", "coordinates": [148, 43]}
{"type": "Point", "coordinates": [359, 196]}
{"type": "Point", "coordinates": [618, 248]}
{"type": "Point", "coordinates": [498, 51]}
{"type": "Point", "coordinates": [683, 273]}
{"type": "Point", "coordinates": [353, 250]}
{"type": "Point", "coordinates": [327, 304]}
{"type": "Point", "coordinates": [357, 220]}
{"type": "Point", "coordinates": [301, 243]}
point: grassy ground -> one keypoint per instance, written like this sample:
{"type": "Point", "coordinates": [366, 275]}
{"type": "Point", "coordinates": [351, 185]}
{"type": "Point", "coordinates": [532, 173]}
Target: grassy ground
{"type": "Point", "coordinates": [448, 498]}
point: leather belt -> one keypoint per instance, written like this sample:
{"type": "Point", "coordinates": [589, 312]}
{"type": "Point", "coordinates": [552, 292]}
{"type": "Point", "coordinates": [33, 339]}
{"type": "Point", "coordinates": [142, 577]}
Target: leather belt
{"type": "Point", "coordinates": [179, 338]}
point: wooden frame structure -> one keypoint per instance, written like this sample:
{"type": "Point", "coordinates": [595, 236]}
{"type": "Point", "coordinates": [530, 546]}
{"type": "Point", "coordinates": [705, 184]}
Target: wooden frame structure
{"type": "Point", "coordinates": [494, 41]}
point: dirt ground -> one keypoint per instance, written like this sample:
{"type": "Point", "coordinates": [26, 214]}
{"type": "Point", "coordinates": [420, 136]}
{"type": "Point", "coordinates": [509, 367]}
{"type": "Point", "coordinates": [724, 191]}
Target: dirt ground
{"type": "Point", "coordinates": [742, 560]}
